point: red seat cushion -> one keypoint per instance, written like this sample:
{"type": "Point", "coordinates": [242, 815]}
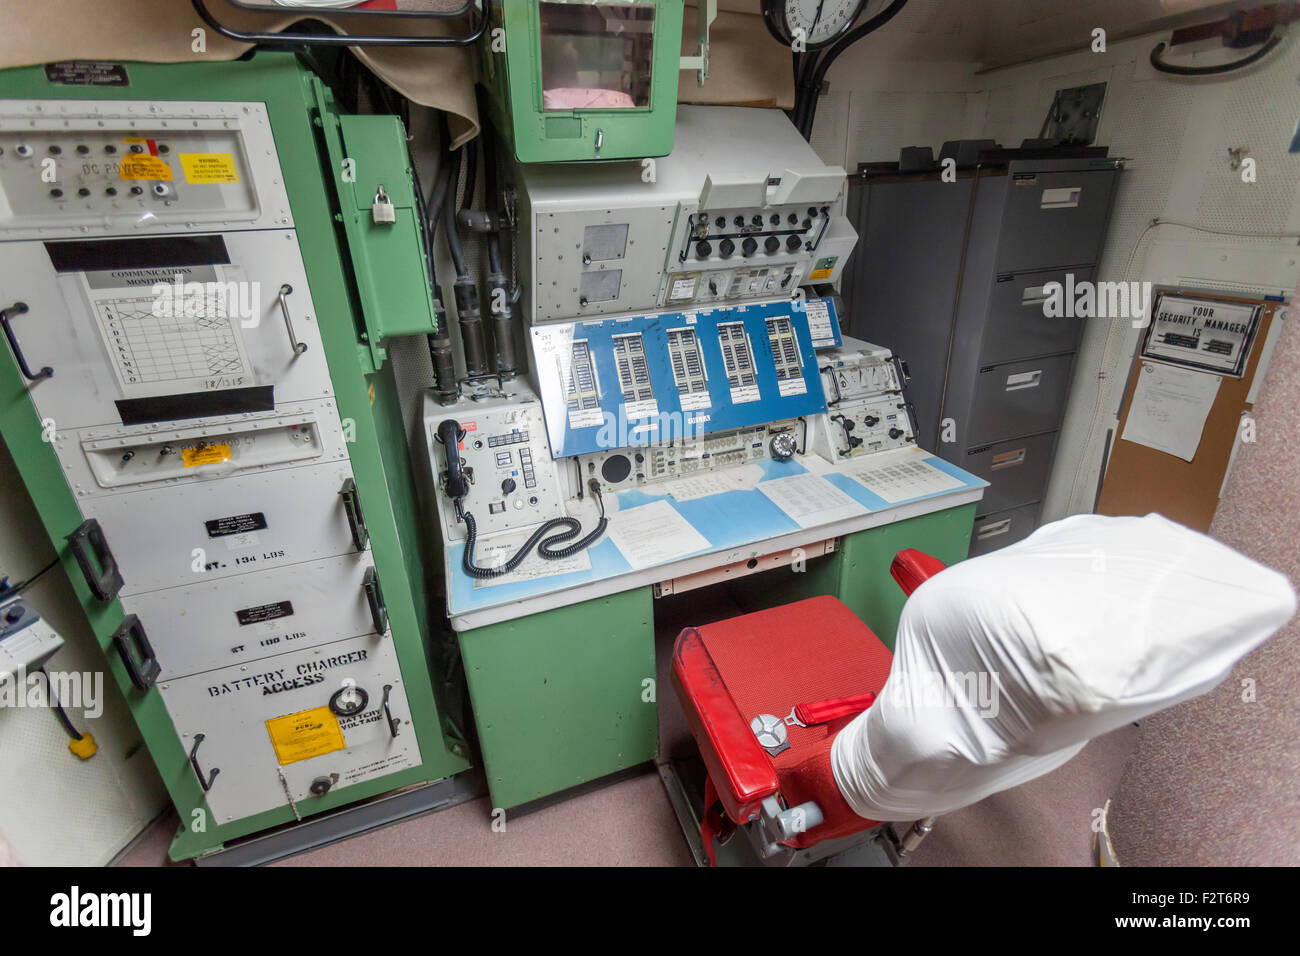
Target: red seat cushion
{"type": "Point", "coordinates": [772, 660]}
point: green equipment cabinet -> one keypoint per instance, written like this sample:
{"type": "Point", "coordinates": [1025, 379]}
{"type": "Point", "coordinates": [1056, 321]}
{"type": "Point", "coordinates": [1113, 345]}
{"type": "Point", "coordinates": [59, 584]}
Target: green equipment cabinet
{"type": "Point", "coordinates": [577, 80]}
{"type": "Point", "coordinates": [200, 269]}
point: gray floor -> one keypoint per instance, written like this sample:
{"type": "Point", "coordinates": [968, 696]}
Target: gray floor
{"type": "Point", "coordinates": [1047, 822]}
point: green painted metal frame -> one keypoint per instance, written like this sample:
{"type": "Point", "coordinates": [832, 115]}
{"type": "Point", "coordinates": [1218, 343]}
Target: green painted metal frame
{"type": "Point", "coordinates": [378, 452]}
{"type": "Point", "coordinates": [560, 697]}
{"type": "Point", "coordinates": [514, 83]}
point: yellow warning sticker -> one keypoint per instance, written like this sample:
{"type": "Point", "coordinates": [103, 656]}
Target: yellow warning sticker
{"type": "Point", "coordinates": [205, 455]}
{"type": "Point", "coordinates": [304, 735]}
{"type": "Point", "coordinates": [204, 169]}
{"type": "Point", "coordinates": [144, 166]}
{"type": "Point", "coordinates": [818, 274]}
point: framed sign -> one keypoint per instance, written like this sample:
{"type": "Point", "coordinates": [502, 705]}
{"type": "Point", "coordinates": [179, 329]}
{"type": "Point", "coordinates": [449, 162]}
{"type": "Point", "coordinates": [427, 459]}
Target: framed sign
{"type": "Point", "coordinates": [1202, 332]}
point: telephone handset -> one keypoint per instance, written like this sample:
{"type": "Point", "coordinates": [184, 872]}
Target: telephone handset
{"type": "Point", "coordinates": [546, 538]}
{"type": "Point", "coordinates": [451, 434]}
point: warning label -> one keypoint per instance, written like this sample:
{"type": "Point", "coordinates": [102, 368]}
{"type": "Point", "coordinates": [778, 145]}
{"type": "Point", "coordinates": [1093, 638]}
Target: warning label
{"type": "Point", "coordinates": [205, 169]}
{"type": "Point", "coordinates": [205, 455]}
{"type": "Point", "coordinates": [304, 735]}
{"type": "Point", "coordinates": [144, 166]}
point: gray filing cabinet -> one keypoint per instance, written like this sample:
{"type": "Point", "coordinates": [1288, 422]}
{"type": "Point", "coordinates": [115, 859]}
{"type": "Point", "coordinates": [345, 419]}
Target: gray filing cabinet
{"type": "Point", "coordinates": [951, 276]}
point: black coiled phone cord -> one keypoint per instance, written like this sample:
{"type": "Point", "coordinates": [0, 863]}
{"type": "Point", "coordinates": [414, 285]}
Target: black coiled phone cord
{"type": "Point", "coordinates": [572, 526]}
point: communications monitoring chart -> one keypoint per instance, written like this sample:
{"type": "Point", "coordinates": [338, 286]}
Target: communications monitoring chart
{"type": "Point", "coordinates": [164, 337]}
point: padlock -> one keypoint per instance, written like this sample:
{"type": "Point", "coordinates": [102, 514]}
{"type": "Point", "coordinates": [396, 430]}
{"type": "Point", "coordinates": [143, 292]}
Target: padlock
{"type": "Point", "coordinates": [382, 210]}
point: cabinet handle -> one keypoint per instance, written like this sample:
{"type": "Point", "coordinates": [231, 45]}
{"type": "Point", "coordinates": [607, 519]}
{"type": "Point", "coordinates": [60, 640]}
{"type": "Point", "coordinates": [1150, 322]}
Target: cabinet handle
{"type": "Point", "coordinates": [1008, 459]}
{"type": "Point", "coordinates": [204, 782]}
{"type": "Point", "coordinates": [993, 529]}
{"type": "Point", "coordinates": [20, 308]}
{"type": "Point", "coordinates": [137, 653]}
{"type": "Point", "coordinates": [393, 722]}
{"type": "Point", "coordinates": [375, 598]}
{"type": "Point", "coordinates": [90, 547]}
{"type": "Point", "coordinates": [1024, 380]}
{"type": "Point", "coordinates": [298, 347]}
{"type": "Point", "coordinates": [356, 520]}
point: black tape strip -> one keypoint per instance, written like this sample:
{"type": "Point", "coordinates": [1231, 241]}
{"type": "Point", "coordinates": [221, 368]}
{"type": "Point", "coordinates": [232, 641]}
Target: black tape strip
{"type": "Point", "coordinates": [93, 255]}
{"type": "Point", "coordinates": [167, 408]}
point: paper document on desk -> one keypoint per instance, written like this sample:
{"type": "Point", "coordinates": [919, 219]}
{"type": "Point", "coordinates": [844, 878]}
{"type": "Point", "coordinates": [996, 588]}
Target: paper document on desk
{"type": "Point", "coordinates": [810, 500]}
{"type": "Point", "coordinates": [900, 479]}
{"type": "Point", "coordinates": [499, 550]}
{"type": "Point", "coordinates": [709, 483]}
{"type": "Point", "coordinates": [654, 534]}
{"type": "Point", "coordinates": [1170, 405]}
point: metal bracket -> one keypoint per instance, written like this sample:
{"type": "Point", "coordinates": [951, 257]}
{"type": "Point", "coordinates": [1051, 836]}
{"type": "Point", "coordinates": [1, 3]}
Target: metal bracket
{"type": "Point", "coordinates": [706, 11]}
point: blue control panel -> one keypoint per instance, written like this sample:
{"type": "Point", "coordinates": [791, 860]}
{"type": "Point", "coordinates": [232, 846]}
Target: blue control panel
{"type": "Point", "coordinates": [636, 380]}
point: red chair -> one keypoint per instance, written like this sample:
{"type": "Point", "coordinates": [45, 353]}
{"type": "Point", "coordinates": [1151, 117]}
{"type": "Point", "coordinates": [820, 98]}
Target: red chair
{"type": "Point", "coordinates": [764, 695]}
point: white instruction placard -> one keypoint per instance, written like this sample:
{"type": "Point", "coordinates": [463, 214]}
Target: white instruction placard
{"type": "Point", "coordinates": [495, 552]}
{"type": "Point", "coordinates": [810, 500]}
{"type": "Point", "coordinates": [900, 479]}
{"type": "Point", "coordinates": [654, 534]}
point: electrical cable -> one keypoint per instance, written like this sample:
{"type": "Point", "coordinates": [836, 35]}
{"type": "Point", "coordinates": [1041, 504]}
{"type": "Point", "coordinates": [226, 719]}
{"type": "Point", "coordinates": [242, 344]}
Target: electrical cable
{"type": "Point", "coordinates": [59, 712]}
{"type": "Point", "coordinates": [809, 112]}
{"type": "Point", "coordinates": [449, 230]}
{"type": "Point", "coordinates": [1219, 69]}
{"type": "Point", "coordinates": [470, 165]}
{"type": "Point", "coordinates": [542, 538]}
{"type": "Point", "coordinates": [290, 40]}
{"type": "Point", "coordinates": [22, 586]}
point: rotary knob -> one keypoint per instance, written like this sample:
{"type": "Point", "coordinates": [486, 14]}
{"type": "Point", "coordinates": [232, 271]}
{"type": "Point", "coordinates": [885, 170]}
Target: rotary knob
{"type": "Point", "coordinates": [793, 243]}
{"type": "Point", "coordinates": [783, 446]}
{"type": "Point", "coordinates": [749, 246]}
{"type": "Point", "coordinates": [725, 248]}
{"type": "Point", "coordinates": [895, 433]}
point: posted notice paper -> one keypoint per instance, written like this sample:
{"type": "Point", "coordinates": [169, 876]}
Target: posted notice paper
{"type": "Point", "coordinates": [654, 534]}
{"type": "Point", "coordinates": [810, 500]}
{"type": "Point", "coordinates": [900, 479]}
{"type": "Point", "coordinates": [1170, 405]}
{"type": "Point", "coordinates": [497, 551]}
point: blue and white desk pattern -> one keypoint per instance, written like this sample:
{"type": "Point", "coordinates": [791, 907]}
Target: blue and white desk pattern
{"type": "Point", "coordinates": [737, 525]}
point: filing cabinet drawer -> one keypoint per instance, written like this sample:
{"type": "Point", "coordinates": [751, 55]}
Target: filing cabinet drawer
{"type": "Point", "coordinates": [1003, 528]}
{"type": "Point", "coordinates": [1016, 327]}
{"type": "Point", "coordinates": [1017, 471]}
{"type": "Point", "coordinates": [1019, 398]}
{"type": "Point", "coordinates": [1054, 219]}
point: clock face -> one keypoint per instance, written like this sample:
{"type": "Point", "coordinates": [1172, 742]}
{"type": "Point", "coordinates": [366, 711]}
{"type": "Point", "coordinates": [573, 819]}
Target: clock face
{"type": "Point", "coordinates": [818, 22]}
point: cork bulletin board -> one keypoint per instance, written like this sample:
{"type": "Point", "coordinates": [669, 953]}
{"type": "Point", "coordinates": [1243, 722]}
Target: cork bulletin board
{"type": "Point", "coordinates": [1189, 334]}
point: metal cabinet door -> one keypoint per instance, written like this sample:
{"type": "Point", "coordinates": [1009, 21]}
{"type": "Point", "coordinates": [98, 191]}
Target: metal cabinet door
{"type": "Point", "coordinates": [1017, 471]}
{"type": "Point", "coordinates": [164, 356]}
{"type": "Point", "coordinates": [240, 712]}
{"type": "Point", "coordinates": [1019, 398]}
{"type": "Point", "coordinates": [1054, 219]}
{"type": "Point", "coordinates": [214, 624]}
{"type": "Point", "coordinates": [209, 530]}
{"type": "Point", "coordinates": [1016, 325]}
